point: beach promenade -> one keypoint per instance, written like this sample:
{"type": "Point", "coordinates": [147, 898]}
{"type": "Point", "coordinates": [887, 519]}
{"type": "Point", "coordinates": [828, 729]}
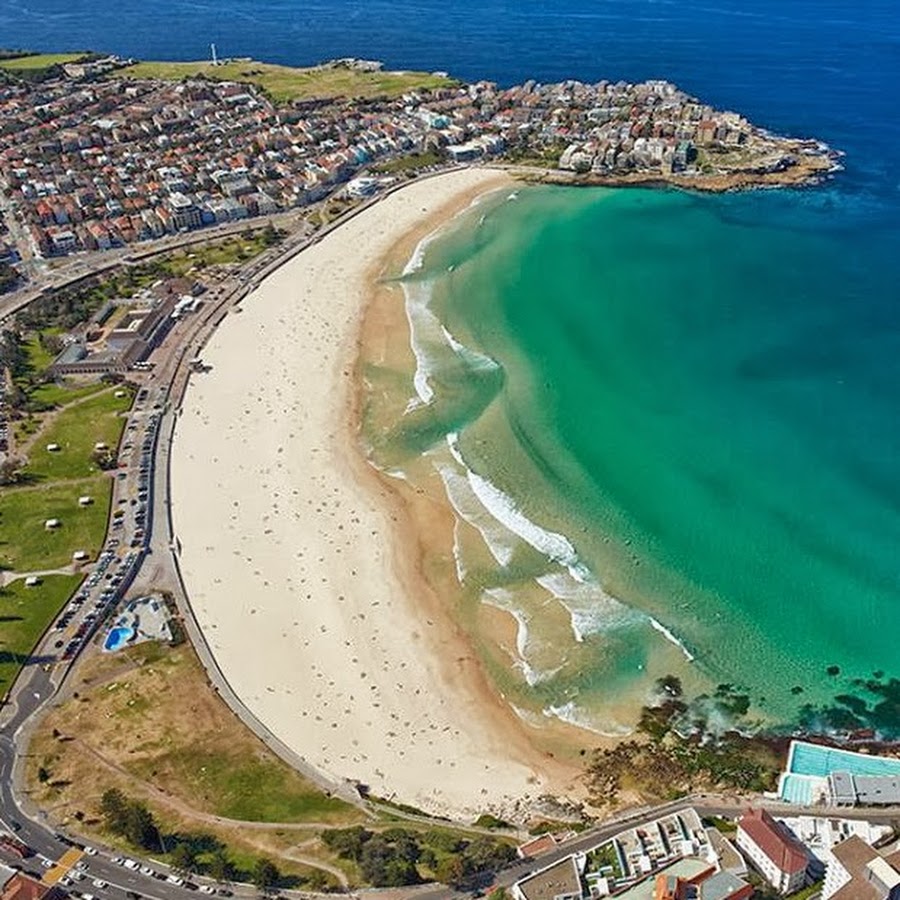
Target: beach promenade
{"type": "Point", "coordinates": [291, 549]}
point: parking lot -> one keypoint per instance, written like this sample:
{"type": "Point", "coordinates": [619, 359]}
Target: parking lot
{"type": "Point", "coordinates": [128, 538]}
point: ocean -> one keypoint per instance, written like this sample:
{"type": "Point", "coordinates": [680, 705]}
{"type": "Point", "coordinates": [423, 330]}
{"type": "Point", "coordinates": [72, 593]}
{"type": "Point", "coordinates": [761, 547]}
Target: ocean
{"type": "Point", "coordinates": [669, 422]}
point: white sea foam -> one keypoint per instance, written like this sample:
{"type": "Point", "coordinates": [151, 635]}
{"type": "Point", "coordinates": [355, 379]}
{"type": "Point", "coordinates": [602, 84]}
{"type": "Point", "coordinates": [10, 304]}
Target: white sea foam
{"type": "Point", "coordinates": [591, 610]}
{"type": "Point", "coordinates": [472, 358]}
{"type": "Point", "coordinates": [572, 714]}
{"type": "Point", "coordinates": [533, 719]}
{"type": "Point", "coordinates": [658, 626]}
{"type": "Point", "coordinates": [501, 598]}
{"type": "Point", "coordinates": [503, 508]}
{"type": "Point", "coordinates": [417, 260]}
{"type": "Point", "coordinates": [498, 540]}
{"type": "Point", "coordinates": [423, 327]}
{"type": "Point", "coordinates": [461, 570]}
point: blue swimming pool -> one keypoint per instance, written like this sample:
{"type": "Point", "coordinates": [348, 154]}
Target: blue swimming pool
{"type": "Point", "coordinates": [117, 638]}
{"type": "Point", "coordinates": [811, 759]}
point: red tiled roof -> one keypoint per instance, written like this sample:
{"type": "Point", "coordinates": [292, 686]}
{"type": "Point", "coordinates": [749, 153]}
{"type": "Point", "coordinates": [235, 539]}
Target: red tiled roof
{"type": "Point", "coordinates": [21, 887]}
{"type": "Point", "coordinates": [782, 848]}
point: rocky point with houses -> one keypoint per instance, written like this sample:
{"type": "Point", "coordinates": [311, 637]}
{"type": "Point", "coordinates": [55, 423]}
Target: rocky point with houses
{"type": "Point", "coordinates": [90, 160]}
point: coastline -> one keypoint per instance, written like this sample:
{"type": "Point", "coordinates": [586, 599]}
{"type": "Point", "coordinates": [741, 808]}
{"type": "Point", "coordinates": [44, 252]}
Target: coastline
{"type": "Point", "coordinates": [806, 171]}
{"type": "Point", "coordinates": [312, 595]}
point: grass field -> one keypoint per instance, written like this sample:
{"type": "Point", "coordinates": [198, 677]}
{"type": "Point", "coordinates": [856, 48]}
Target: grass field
{"type": "Point", "coordinates": [76, 429]}
{"type": "Point", "coordinates": [27, 546]}
{"type": "Point", "coordinates": [53, 394]}
{"type": "Point", "coordinates": [25, 613]}
{"type": "Point", "coordinates": [165, 726]}
{"type": "Point", "coordinates": [38, 62]}
{"type": "Point", "coordinates": [283, 83]}
{"type": "Point", "coordinates": [38, 357]}
{"type": "Point", "coordinates": [225, 252]}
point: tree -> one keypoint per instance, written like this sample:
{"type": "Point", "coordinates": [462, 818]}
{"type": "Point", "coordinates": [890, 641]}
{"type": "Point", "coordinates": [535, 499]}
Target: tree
{"type": "Point", "coordinates": [219, 867]}
{"type": "Point", "coordinates": [450, 871]}
{"type": "Point", "coordinates": [182, 858]}
{"type": "Point", "coordinates": [9, 277]}
{"type": "Point", "coordinates": [347, 842]}
{"type": "Point", "coordinates": [43, 775]}
{"type": "Point", "coordinates": [104, 458]}
{"type": "Point", "coordinates": [139, 826]}
{"type": "Point", "coordinates": [390, 863]}
{"type": "Point", "coordinates": [9, 470]}
{"type": "Point", "coordinates": [265, 875]}
{"type": "Point", "coordinates": [487, 855]}
{"type": "Point", "coordinates": [114, 807]}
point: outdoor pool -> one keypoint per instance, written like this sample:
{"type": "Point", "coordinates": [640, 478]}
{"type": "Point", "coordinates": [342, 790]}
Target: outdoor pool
{"type": "Point", "coordinates": [117, 638]}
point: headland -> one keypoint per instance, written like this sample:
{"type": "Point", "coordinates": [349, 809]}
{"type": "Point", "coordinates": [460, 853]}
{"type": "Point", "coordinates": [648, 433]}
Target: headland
{"type": "Point", "coordinates": [296, 135]}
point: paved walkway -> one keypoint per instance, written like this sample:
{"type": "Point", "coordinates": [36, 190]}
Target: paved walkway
{"type": "Point", "coordinates": [7, 577]}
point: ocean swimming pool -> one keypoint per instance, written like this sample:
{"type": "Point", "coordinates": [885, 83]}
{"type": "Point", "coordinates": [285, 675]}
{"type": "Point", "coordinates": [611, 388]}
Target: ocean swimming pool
{"type": "Point", "coordinates": [819, 762]}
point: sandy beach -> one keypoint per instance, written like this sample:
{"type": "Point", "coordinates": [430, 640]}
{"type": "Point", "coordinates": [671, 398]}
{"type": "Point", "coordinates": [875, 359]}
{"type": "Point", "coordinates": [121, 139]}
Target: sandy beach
{"type": "Point", "coordinates": [297, 557]}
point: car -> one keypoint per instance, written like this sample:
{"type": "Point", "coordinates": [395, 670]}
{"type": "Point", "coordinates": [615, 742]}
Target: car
{"type": "Point", "coordinates": [88, 897]}
{"type": "Point", "coordinates": [207, 889]}
{"type": "Point", "coordinates": [66, 881]}
{"type": "Point", "coordinates": [224, 892]}
{"type": "Point", "coordinates": [76, 874]}
{"type": "Point", "coordinates": [146, 870]}
{"type": "Point", "coordinates": [81, 864]}
{"type": "Point", "coordinates": [91, 851]}
{"type": "Point", "coordinates": [100, 883]}
{"type": "Point", "coordinates": [175, 879]}
{"type": "Point", "coordinates": [48, 863]}
{"type": "Point", "coordinates": [117, 861]}
{"type": "Point", "coordinates": [131, 864]}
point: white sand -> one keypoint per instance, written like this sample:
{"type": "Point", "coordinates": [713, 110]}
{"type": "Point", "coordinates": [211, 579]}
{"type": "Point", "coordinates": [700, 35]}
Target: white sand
{"type": "Point", "coordinates": [288, 551]}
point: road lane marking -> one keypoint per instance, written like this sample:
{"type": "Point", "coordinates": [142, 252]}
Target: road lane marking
{"type": "Point", "coordinates": [63, 865]}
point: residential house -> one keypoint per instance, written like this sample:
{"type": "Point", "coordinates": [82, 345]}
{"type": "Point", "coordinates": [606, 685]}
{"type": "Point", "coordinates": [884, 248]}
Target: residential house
{"type": "Point", "coordinates": [860, 872]}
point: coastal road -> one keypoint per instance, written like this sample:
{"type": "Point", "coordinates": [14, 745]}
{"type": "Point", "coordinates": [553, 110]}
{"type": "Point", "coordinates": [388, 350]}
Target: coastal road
{"type": "Point", "coordinates": [49, 277]}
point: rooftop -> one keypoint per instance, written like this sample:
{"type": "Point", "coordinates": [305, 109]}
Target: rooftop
{"type": "Point", "coordinates": [560, 880]}
{"type": "Point", "coordinates": [857, 859]}
{"type": "Point", "coordinates": [782, 848]}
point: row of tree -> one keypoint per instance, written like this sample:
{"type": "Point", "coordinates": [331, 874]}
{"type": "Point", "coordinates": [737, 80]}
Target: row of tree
{"type": "Point", "coordinates": [132, 820]}
{"type": "Point", "coordinates": [393, 857]}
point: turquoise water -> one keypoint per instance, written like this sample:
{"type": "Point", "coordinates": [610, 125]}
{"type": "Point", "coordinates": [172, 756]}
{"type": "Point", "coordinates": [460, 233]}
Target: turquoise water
{"type": "Point", "coordinates": [701, 393]}
{"type": "Point", "coordinates": [818, 761]}
{"type": "Point", "coordinates": [118, 638]}
{"type": "Point", "coordinates": [690, 403]}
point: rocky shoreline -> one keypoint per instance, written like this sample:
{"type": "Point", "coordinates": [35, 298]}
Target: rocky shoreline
{"type": "Point", "coordinates": [799, 171]}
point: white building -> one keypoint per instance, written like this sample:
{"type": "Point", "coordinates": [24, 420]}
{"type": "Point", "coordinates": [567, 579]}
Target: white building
{"type": "Point", "coordinates": [859, 872]}
{"type": "Point", "coordinates": [772, 850]}
{"type": "Point", "coordinates": [820, 835]}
